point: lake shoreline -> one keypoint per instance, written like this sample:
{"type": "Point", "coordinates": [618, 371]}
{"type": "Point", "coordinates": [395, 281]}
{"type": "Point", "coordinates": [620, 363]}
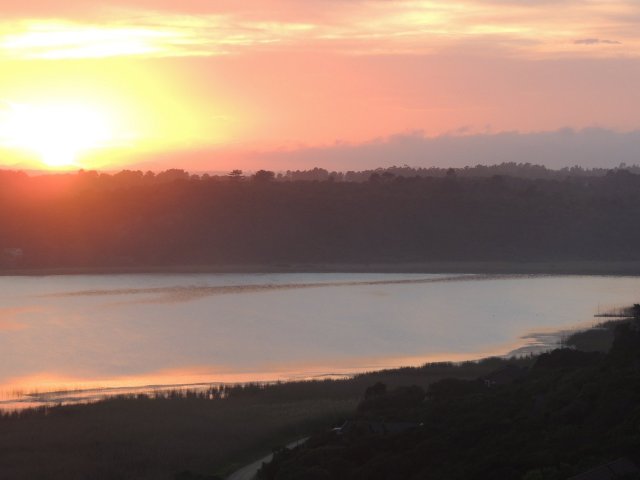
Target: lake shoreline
{"type": "Point", "coordinates": [516, 328]}
{"type": "Point", "coordinates": [542, 342]}
{"type": "Point", "coordinates": [623, 268]}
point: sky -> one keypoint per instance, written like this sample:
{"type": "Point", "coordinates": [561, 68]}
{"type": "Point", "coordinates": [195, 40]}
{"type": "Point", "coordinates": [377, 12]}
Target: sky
{"type": "Point", "coordinates": [341, 84]}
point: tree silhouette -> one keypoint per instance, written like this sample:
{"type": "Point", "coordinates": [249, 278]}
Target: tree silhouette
{"type": "Point", "coordinates": [264, 176]}
{"type": "Point", "coordinates": [235, 175]}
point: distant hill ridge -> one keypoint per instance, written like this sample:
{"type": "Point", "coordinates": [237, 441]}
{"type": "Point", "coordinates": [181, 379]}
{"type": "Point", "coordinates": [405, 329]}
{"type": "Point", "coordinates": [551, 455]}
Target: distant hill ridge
{"type": "Point", "coordinates": [136, 219]}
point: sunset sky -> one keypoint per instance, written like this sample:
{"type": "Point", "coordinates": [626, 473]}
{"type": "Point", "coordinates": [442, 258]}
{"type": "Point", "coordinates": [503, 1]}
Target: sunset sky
{"type": "Point", "coordinates": [342, 84]}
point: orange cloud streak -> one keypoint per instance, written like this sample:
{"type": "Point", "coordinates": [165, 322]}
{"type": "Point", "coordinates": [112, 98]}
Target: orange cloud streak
{"type": "Point", "coordinates": [190, 75]}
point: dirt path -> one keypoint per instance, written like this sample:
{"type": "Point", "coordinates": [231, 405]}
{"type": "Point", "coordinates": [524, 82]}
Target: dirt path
{"type": "Point", "coordinates": [248, 472]}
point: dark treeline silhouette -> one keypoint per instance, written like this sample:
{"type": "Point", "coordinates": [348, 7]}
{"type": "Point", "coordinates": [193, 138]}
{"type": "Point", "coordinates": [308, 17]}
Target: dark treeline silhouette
{"type": "Point", "coordinates": [512, 169]}
{"type": "Point", "coordinates": [568, 413]}
{"type": "Point", "coordinates": [131, 218]}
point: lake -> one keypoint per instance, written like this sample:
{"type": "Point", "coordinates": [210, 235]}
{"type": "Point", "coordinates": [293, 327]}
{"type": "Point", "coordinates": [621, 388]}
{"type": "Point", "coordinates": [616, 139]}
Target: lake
{"type": "Point", "coordinates": [78, 335]}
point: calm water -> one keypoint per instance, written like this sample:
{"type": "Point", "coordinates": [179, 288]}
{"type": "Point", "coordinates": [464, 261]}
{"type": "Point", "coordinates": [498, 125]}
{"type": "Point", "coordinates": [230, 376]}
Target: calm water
{"type": "Point", "coordinates": [91, 332]}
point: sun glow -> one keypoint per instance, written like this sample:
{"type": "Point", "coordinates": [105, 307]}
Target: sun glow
{"type": "Point", "coordinates": [57, 133]}
{"type": "Point", "coordinates": [64, 40]}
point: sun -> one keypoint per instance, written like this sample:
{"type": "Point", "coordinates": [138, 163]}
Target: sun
{"type": "Point", "coordinates": [59, 133]}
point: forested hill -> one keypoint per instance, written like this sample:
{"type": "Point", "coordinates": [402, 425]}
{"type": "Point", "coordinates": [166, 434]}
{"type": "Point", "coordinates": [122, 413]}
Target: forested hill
{"type": "Point", "coordinates": [135, 219]}
{"type": "Point", "coordinates": [571, 412]}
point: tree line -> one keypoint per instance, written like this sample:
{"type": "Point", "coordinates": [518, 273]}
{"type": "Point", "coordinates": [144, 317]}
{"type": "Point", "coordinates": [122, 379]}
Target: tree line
{"type": "Point", "coordinates": [90, 219]}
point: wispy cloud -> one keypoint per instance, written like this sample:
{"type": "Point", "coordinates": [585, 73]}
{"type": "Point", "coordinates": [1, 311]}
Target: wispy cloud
{"type": "Point", "coordinates": [591, 147]}
{"type": "Point", "coordinates": [596, 41]}
{"type": "Point", "coordinates": [357, 26]}
{"type": "Point", "coordinates": [151, 36]}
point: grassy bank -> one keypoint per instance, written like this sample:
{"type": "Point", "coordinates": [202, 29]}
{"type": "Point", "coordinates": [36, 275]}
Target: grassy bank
{"type": "Point", "coordinates": [204, 434]}
{"type": "Point", "coordinates": [147, 438]}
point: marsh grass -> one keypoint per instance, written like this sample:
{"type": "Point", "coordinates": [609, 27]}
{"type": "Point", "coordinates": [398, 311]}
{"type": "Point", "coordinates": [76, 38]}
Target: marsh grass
{"type": "Point", "coordinates": [205, 433]}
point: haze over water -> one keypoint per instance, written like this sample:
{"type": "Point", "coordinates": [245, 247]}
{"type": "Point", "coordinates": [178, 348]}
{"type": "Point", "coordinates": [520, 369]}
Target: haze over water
{"type": "Point", "coordinates": [90, 331]}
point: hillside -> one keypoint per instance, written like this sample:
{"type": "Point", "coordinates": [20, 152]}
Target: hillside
{"type": "Point", "coordinates": [132, 219]}
{"type": "Point", "coordinates": [571, 411]}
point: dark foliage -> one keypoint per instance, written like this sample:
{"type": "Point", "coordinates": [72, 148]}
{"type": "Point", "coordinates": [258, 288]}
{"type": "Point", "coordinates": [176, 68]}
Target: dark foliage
{"type": "Point", "coordinates": [191, 435]}
{"type": "Point", "coordinates": [566, 358]}
{"type": "Point", "coordinates": [573, 411]}
{"type": "Point", "coordinates": [133, 219]}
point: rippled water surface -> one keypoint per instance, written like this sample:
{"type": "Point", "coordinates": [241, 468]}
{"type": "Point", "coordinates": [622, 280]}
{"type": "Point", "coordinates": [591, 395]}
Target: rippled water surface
{"type": "Point", "coordinates": [126, 331]}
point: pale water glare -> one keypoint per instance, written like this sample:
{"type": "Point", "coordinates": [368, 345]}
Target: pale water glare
{"type": "Point", "coordinates": [129, 331]}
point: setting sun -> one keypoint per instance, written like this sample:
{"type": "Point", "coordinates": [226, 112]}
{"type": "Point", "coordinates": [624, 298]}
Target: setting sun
{"type": "Point", "coordinates": [57, 133]}
{"type": "Point", "coordinates": [396, 239]}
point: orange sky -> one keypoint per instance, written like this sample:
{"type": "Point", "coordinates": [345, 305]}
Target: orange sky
{"type": "Point", "coordinates": [207, 85]}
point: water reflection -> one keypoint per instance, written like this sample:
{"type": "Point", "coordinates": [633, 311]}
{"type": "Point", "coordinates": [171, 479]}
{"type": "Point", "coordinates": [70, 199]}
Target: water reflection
{"type": "Point", "coordinates": [192, 292]}
{"type": "Point", "coordinates": [90, 332]}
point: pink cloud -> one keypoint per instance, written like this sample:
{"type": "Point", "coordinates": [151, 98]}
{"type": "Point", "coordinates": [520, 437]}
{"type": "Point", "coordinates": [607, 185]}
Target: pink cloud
{"type": "Point", "coordinates": [277, 74]}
